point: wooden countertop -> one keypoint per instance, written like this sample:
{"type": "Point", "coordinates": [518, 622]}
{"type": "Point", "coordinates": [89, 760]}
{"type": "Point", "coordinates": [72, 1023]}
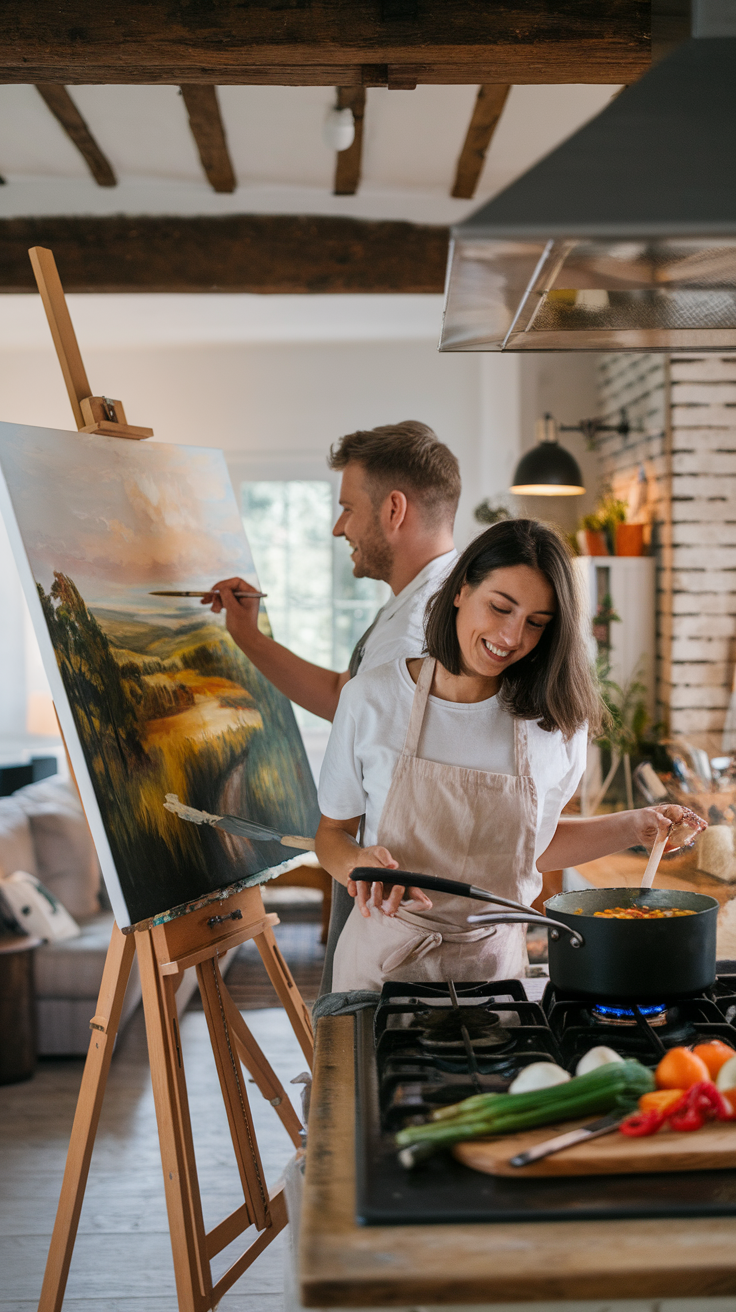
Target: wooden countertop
{"type": "Point", "coordinates": [678, 871]}
{"type": "Point", "coordinates": [346, 1265]}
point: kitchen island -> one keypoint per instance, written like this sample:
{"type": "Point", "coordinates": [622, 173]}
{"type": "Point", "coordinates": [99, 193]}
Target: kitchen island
{"type": "Point", "coordinates": [346, 1265]}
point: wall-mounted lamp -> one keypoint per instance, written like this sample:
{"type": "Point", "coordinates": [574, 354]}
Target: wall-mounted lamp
{"type": "Point", "coordinates": [590, 428]}
{"type": "Point", "coordinates": [548, 470]}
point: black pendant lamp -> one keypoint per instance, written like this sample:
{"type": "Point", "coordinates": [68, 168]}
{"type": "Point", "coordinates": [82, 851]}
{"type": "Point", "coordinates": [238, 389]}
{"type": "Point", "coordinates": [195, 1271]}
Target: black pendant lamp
{"type": "Point", "coordinates": [548, 470]}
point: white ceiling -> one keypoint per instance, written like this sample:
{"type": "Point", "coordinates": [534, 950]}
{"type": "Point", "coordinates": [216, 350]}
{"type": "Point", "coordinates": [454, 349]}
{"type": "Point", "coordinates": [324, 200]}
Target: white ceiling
{"type": "Point", "coordinates": [412, 140]}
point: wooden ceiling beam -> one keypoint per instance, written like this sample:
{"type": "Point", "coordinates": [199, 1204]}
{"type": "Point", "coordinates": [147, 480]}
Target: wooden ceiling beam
{"type": "Point", "coordinates": [324, 42]}
{"type": "Point", "coordinates": [66, 113]}
{"type": "Point", "coordinates": [348, 162]}
{"type": "Point", "coordinates": [227, 253]}
{"type": "Point", "coordinates": [487, 111]}
{"type": "Point", "coordinates": [208, 131]}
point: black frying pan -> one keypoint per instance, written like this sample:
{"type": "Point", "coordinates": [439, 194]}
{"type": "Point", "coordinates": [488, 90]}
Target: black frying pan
{"type": "Point", "coordinates": [626, 961]}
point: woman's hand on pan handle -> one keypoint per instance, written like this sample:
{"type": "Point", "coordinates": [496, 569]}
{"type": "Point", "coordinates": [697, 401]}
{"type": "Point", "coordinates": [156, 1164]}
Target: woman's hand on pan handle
{"type": "Point", "coordinates": [681, 825]}
{"type": "Point", "coordinates": [386, 899]}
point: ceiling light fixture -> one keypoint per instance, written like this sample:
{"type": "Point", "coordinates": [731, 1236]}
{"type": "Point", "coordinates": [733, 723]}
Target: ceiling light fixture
{"type": "Point", "coordinates": [338, 132]}
{"type": "Point", "coordinates": [624, 237]}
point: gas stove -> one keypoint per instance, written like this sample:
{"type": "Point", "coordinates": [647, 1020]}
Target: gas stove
{"type": "Point", "coordinates": [427, 1045]}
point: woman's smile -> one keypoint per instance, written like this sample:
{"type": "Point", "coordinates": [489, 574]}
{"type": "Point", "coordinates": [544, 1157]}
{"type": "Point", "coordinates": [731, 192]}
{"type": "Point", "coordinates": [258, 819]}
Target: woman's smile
{"type": "Point", "coordinates": [498, 653]}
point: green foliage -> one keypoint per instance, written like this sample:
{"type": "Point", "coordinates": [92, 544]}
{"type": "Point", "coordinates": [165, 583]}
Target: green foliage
{"type": "Point", "coordinates": [488, 514]}
{"type": "Point", "coordinates": [608, 513]}
{"type": "Point", "coordinates": [626, 712]}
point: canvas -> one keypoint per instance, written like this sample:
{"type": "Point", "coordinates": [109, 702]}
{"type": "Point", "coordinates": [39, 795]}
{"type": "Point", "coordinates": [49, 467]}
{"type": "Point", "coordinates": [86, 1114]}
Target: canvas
{"type": "Point", "coordinates": [153, 695]}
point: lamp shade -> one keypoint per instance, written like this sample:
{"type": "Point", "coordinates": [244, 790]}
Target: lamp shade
{"type": "Point", "coordinates": [548, 470]}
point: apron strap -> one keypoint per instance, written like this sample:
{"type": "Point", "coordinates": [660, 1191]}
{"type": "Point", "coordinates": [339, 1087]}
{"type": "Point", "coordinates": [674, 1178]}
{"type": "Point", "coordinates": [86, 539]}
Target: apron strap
{"type": "Point", "coordinates": [419, 706]}
{"type": "Point", "coordinates": [521, 747]}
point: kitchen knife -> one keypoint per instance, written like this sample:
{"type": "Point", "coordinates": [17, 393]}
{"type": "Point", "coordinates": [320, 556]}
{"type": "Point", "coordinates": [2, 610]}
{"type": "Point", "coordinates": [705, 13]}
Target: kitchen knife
{"type": "Point", "coordinates": [606, 1125]}
{"type": "Point", "coordinates": [234, 824]}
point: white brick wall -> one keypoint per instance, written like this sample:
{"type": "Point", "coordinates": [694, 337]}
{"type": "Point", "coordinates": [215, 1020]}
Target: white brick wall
{"type": "Point", "coordinates": [687, 409]}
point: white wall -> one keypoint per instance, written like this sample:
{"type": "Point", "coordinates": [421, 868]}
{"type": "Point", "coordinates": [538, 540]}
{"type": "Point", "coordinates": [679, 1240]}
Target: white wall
{"type": "Point", "coordinates": [279, 404]}
{"type": "Point", "coordinates": [283, 400]}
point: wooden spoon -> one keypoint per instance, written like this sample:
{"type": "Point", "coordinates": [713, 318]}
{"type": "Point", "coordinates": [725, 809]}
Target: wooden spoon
{"type": "Point", "coordinates": [655, 856]}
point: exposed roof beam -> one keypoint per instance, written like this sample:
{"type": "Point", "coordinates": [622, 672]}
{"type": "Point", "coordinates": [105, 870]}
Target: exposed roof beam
{"type": "Point", "coordinates": [208, 131]}
{"type": "Point", "coordinates": [324, 42]}
{"type": "Point", "coordinates": [229, 253]}
{"type": "Point", "coordinates": [486, 113]}
{"type": "Point", "coordinates": [65, 111]}
{"type": "Point", "coordinates": [348, 162]}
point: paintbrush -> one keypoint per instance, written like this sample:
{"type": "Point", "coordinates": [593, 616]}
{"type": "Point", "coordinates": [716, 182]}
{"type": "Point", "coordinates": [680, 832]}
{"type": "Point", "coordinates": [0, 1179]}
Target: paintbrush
{"type": "Point", "coordinates": [205, 594]}
{"type": "Point", "coordinates": [234, 824]}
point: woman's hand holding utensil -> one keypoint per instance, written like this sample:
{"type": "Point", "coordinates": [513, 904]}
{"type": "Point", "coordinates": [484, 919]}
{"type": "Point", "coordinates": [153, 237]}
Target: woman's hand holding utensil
{"type": "Point", "coordinates": [677, 824]}
{"type": "Point", "coordinates": [372, 895]}
{"type": "Point", "coordinates": [666, 828]}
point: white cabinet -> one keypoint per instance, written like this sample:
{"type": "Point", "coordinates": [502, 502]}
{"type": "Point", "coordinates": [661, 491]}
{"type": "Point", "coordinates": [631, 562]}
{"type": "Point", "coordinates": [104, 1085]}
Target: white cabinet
{"type": "Point", "coordinates": [630, 582]}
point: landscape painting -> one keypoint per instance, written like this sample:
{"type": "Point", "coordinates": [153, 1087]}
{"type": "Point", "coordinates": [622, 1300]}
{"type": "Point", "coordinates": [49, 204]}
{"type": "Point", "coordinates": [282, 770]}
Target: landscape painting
{"type": "Point", "coordinates": [153, 695]}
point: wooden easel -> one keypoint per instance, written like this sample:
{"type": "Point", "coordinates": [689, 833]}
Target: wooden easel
{"type": "Point", "coordinates": [192, 935]}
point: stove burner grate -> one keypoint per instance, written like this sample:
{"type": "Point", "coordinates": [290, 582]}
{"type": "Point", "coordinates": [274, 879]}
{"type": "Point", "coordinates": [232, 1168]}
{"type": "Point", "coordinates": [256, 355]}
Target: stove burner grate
{"type": "Point", "coordinates": [655, 1015]}
{"type": "Point", "coordinates": [441, 1029]}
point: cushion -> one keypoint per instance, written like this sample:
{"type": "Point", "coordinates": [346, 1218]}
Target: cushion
{"type": "Point", "coordinates": [66, 860]}
{"type": "Point", "coordinates": [16, 840]}
{"type": "Point", "coordinates": [73, 968]}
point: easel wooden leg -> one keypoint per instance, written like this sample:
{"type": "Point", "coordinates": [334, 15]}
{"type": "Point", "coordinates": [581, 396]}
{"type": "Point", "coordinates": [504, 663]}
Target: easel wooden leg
{"type": "Point", "coordinates": [183, 1202]}
{"type": "Point", "coordinates": [288, 994]}
{"type": "Point", "coordinates": [92, 1091]}
{"type": "Point", "coordinates": [256, 1064]}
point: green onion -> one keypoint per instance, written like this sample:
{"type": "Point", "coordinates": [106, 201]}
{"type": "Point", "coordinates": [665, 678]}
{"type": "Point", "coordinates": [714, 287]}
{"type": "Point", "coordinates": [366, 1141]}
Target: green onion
{"type": "Point", "coordinates": [618, 1084]}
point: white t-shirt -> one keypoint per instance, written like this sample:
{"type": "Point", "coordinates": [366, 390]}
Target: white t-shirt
{"type": "Point", "coordinates": [399, 626]}
{"type": "Point", "coordinates": [368, 735]}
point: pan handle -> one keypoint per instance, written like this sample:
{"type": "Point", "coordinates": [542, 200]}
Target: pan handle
{"type": "Point", "coordinates": [515, 918]}
{"type": "Point", "coordinates": [413, 879]}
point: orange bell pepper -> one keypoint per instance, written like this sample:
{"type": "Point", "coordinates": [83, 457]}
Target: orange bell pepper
{"type": "Point", "coordinates": [660, 1100]}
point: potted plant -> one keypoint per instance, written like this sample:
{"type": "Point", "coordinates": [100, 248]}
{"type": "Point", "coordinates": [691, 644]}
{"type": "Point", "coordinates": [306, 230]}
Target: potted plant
{"type": "Point", "coordinates": [599, 531]}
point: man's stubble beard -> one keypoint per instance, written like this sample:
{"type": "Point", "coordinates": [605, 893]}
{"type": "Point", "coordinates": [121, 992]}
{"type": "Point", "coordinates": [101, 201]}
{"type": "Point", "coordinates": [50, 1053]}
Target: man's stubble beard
{"type": "Point", "coordinates": [375, 557]}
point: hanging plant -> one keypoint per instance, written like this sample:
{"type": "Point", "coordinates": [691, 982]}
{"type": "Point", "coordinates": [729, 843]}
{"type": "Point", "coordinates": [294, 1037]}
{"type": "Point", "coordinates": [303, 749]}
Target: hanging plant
{"type": "Point", "coordinates": [487, 514]}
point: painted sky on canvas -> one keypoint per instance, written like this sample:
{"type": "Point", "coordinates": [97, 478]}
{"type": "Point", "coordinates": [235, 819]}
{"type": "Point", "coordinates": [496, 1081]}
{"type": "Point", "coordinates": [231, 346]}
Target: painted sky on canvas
{"type": "Point", "coordinates": [125, 517]}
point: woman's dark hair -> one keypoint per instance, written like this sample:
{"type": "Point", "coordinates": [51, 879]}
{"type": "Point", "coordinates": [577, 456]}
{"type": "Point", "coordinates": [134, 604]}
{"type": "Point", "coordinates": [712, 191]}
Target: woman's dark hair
{"type": "Point", "coordinates": [554, 684]}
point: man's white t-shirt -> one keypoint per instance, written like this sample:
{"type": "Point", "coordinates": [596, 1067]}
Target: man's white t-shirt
{"type": "Point", "coordinates": [368, 735]}
{"type": "Point", "coordinates": [398, 629]}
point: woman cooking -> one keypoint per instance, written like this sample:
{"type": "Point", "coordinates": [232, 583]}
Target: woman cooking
{"type": "Point", "coordinates": [461, 763]}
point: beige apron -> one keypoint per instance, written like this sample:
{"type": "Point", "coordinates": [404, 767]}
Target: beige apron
{"type": "Point", "coordinates": [462, 824]}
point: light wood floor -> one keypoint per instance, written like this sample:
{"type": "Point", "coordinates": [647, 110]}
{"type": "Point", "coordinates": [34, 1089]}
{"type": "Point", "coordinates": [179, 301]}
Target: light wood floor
{"type": "Point", "coordinates": [122, 1261]}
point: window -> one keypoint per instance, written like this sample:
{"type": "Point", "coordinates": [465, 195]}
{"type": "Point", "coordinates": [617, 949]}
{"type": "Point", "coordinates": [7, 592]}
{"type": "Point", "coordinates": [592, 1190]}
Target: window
{"type": "Point", "coordinates": [316, 607]}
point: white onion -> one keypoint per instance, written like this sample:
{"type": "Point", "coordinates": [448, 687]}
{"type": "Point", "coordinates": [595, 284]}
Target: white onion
{"type": "Point", "coordinates": [600, 1056]}
{"type": "Point", "coordinates": [540, 1075]}
{"type": "Point", "coordinates": [726, 1077]}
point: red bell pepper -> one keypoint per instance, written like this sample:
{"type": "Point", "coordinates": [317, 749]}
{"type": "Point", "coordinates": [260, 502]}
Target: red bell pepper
{"type": "Point", "coordinates": [700, 1103]}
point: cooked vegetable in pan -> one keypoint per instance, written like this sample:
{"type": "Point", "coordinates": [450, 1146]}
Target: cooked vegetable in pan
{"type": "Point", "coordinates": [639, 913]}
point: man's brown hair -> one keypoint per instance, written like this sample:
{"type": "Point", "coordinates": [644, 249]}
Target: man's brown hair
{"type": "Point", "coordinates": [409, 458]}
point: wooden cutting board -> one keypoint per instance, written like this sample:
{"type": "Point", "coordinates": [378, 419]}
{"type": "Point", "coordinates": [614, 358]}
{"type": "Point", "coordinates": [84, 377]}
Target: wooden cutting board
{"type": "Point", "coordinates": [713, 1148]}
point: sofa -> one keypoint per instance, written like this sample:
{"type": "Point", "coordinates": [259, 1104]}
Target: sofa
{"type": "Point", "coordinates": [43, 831]}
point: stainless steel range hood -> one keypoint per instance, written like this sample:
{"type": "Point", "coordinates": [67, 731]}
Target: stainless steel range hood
{"type": "Point", "coordinates": [624, 237]}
